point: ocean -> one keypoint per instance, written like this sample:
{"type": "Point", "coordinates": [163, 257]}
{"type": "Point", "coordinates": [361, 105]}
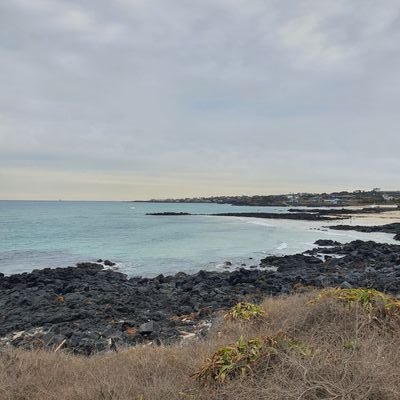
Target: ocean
{"type": "Point", "coordinates": [40, 234]}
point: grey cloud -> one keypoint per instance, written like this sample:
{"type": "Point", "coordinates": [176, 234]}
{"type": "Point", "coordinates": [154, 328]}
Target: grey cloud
{"type": "Point", "coordinates": [213, 87]}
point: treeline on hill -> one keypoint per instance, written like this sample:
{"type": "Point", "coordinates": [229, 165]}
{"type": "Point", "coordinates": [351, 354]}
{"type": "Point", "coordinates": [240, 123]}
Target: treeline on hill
{"type": "Point", "coordinates": [344, 198]}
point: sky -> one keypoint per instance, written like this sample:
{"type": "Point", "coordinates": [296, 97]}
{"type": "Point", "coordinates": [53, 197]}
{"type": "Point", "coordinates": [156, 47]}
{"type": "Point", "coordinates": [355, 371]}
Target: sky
{"type": "Point", "coordinates": [140, 99]}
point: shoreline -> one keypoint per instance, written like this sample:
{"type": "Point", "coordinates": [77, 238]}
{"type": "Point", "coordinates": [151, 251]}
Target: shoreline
{"type": "Point", "coordinates": [150, 245]}
{"type": "Point", "coordinates": [91, 308]}
{"type": "Point", "coordinates": [86, 309]}
{"type": "Point", "coordinates": [320, 229]}
{"type": "Point", "coordinates": [300, 214]}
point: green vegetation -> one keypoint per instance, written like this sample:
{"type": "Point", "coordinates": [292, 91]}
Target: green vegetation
{"type": "Point", "coordinates": [242, 357]}
{"type": "Point", "coordinates": [244, 312]}
{"type": "Point", "coordinates": [239, 358]}
{"type": "Point", "coordinates": [371, 300]}
{"type": "Point", "coordinates": [230, 361]}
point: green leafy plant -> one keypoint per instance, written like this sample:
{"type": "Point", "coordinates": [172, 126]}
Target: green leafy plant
{"type": "Point", "coordinates": [239, 359]}
{"type": "Point", "coordinates": [244, 312]}
{"type": "Point", "coordinates": [370, 300]}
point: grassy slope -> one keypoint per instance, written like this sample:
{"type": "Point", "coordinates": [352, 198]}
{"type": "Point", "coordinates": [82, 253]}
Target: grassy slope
{"type": "Point", "coordinates": [335, 370]}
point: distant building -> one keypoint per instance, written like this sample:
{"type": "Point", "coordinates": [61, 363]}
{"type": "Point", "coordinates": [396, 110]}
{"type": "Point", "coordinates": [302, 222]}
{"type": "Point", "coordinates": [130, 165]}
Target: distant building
{"type": "Point", "coordinates": [331, 201]}
{"type": "Point", "coordinates": [387, 197]}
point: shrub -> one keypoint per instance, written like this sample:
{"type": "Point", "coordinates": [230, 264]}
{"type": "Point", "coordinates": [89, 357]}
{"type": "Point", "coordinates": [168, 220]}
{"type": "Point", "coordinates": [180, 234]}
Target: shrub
{"type": "Point", "coordinates": [371, 300]}
{"type": "Point", "coordinates": [238, 359]}
{"type": "Point", "coordinates": [244, 312]}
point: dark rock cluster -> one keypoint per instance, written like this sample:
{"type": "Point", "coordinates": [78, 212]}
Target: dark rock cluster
{"type": "Point", "coordinates": [87, 309]}
{"type": "Point", "coordinates": [356, 264]}
{"type": "Point", "coordinates": [307, 216]}
{"type": "Point", "coordinates": [327, 242]}
{"type": "Point", "coordinates": [387, 228]}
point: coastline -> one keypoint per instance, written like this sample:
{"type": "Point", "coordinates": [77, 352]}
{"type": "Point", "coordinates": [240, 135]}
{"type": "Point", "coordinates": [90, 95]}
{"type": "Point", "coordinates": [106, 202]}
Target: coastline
{"type": "Point", "coordinates": [386, 217]}
{"type": "Point", "coordinates": [52, 235]}
{"type": "Point", "coordinates": [87, 309]}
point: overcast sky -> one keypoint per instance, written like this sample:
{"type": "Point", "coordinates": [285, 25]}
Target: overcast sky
{"type": "Point", "coordinates": [134, 99]}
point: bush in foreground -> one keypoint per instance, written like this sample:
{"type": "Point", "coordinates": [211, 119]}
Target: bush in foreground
{"type": "Point", "coordinates": [239, 358]}
{"type": "Point", "coordinates": [244, 357]}
{"type": "Point", "coordinates": [371, 300]}
{"type": "Point", "coordinates": [244, 312]}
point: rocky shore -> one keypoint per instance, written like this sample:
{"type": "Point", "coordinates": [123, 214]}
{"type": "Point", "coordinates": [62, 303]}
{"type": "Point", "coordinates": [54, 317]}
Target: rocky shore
{"type": "Point", "coordinates": [304, 216]}
{"type": "Point", "coordinates": [387, 228]}
{"type": "Point", "coordinates": [344, 211]}
{"type": "Point", "coordinates": [86, 309]}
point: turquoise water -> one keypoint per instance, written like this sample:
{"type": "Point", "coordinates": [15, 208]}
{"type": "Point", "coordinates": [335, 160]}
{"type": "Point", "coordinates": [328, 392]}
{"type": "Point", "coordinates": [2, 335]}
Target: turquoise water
{"type": "Point", "coordinates": [50, 234]}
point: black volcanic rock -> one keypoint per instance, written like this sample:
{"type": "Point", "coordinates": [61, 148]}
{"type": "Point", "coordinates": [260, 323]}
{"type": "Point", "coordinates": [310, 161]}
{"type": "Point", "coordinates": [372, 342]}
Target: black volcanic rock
{"type": "Point", "coordinates": [296, 216]}
{"type": "Point", "coordinates": [88, 309]}
{"type": "Point", "coordinates": [327, 242]}
{"type": "Point", "coordinates": [169, 213]}
{"type": "Point", "coordinates": [293, 216]}
{"type": "Point", "coordinates": [388, 228]}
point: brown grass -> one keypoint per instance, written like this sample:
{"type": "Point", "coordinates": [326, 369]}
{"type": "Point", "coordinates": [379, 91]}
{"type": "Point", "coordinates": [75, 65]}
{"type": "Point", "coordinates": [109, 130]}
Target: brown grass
{"type": "Point", "coordinates": [352, 357]}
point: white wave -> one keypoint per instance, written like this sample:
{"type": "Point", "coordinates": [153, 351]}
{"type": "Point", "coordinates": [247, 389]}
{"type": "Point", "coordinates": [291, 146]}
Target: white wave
{"type": "Point", "coordinates": [271, 268]}
{"type": "Point", "coordinates": [282, 246]}
{"type": "Point", "coordinates": [116, 267]}
{"type": "Point", "coordinates": [256, 222]}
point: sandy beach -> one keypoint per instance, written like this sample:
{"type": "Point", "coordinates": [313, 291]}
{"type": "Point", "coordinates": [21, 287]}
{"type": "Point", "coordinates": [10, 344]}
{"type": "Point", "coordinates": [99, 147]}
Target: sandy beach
{"type": "Point", "coordinates": [388, 217]}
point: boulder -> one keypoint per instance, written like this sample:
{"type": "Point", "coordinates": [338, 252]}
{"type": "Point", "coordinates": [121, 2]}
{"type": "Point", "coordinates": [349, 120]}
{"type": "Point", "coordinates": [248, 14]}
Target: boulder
{"type": "Point", "coordinates": [346, 285]}
{"type": "Point", "coordinates": [148, 328]}
{"type": "Point", "coordinates": [327, 242]}
{"type": "Point", "coordinates": [109, 263]}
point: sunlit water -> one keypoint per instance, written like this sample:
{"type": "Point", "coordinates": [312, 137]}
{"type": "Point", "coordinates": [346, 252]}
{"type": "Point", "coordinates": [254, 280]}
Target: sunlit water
{"type": "Point", "coordinates": [50, 234]}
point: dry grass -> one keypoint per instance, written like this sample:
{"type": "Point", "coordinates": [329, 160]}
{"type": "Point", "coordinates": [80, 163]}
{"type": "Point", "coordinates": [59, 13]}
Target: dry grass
{"type": "Point", "coordinates": [352, 357]}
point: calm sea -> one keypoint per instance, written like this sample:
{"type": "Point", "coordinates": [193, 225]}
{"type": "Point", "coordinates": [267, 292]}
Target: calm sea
{"type": "Point", "coordinates": [39, 234]}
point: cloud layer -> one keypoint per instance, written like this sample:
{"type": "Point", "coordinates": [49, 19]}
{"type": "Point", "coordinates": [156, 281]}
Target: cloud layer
{"type": "Point", "coordinates": [153, 98]}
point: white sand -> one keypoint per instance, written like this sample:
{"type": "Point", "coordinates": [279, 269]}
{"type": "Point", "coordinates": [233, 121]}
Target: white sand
{"type": "Point", "coordinates": [388, 217]}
